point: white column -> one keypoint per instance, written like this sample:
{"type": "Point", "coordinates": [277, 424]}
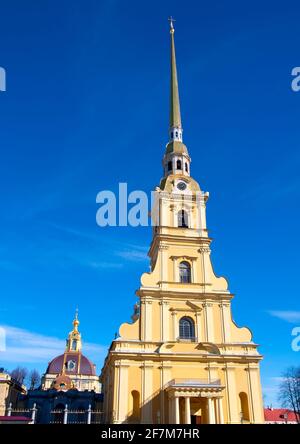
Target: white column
{"type": "Point", "coordinates": [177, 415]}
{"type": "Point", "coordinates": [211, 412]}
{"type": "Point", "coordinates": [187, 410]}
{"type": "Point", "coordinates": [220, 411]}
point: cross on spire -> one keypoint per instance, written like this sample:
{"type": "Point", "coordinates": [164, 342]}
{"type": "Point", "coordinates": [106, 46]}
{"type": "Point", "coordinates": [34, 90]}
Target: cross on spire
{"type": "Point", "coordinates": [171, 20]}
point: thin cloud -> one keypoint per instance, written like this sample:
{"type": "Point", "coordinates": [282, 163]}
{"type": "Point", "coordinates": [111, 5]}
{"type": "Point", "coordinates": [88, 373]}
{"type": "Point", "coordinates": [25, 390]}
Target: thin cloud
{"type": "Point", "coordinates": [24, 346]}
{"type": "Point", "coordinates": [100, 265]}
{"type": "Point", "coordinates": [277, 378]}
{"type": "Point", "coordinates": [125, 250]}
{"type": "Point", "coordinates": [133, 252]}
{"type": "Point", "coordinates": [288, 316]}
{"type": "Point", "coordinates": [132, 255]}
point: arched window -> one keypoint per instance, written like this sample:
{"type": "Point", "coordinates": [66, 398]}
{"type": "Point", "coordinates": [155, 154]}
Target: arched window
{"type": "Point", "coordinates": [186, 328]}
{"type": "Point", "coordinates": [135, 405]}
{"type": "Point", "coordinates": [71, 365]}
{"type": "Point", "coordinates": [186, 167]}
{"type": "Point", "coordinates": [185, 272]}
{"type": "Point", "coordinates": [170, 165]}
{"type": "Point", "coordinates": [178, 164]}
{"type": "Point", "coordinates": [183, 219]}
{"type": "Point", "coordinates": [244, 406]}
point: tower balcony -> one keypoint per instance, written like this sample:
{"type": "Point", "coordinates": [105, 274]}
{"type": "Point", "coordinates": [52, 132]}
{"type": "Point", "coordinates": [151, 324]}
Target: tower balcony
{"type": "Point", "coordinates": [180, 232]}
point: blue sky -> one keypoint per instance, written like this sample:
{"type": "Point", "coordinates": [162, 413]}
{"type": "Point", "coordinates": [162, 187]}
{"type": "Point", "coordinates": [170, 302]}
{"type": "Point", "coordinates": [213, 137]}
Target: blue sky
{"type": "Point", "coordinates": [86, 107]}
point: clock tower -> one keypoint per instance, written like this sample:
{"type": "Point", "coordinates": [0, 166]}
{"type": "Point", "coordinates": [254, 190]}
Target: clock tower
{"type": "Point", "coordinates": [183, 359]}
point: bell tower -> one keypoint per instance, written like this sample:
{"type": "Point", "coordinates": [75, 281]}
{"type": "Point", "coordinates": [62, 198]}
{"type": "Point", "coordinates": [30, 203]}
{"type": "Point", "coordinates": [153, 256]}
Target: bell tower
{"type": "Point", "coordinates": [182, 359]}
{"type": "Point", "coordinates": [74, 339]}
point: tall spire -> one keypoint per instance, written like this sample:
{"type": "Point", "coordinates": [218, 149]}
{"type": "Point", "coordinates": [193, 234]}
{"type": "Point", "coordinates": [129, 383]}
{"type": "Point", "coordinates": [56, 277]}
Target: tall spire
{"type": "Point", "coordinates": [175, 128]}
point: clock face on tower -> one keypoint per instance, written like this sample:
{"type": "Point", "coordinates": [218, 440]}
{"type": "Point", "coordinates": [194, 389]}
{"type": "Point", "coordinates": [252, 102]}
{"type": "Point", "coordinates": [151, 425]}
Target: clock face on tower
{"type": "Point", "coordinates": [181, 186]}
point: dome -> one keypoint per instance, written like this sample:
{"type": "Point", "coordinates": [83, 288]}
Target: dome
{"type": "Point", "coordinates": [176, 147]}
{"type": "Point", "coordinates": [71, 364]}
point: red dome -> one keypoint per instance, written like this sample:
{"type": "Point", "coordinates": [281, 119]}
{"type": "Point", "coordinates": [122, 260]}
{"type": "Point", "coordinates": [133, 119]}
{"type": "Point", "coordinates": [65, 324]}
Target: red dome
{"type": "Point", "coordinates": [80, 365]}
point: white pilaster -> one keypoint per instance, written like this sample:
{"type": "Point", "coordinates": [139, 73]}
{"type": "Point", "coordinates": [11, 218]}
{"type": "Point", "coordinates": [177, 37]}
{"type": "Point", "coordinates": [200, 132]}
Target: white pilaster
{"type": "Point", "coordinates": [198, 326]}
{"type": "Point", "coordinates": [175, 325]}
{"type": "Point", "coordinates": [177, 413]}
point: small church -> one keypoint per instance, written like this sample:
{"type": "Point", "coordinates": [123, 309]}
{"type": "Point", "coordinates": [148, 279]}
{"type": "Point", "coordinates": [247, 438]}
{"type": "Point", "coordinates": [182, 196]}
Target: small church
{"type": "Point", "coordinates": [182, 360]}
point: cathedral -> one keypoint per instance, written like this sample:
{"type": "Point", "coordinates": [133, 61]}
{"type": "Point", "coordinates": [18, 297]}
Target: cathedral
{"type": "Point", "coordinates": [182, 360]}
{"type": "Point", "coordinates": [70, 381]}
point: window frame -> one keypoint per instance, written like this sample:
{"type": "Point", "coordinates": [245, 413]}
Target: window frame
{"type": "Point", "coordinates": [183, 215]}
{"type": "Point", "coordinates": [183, 329]}
{"type": "Point", "coordinates": [185, 278]}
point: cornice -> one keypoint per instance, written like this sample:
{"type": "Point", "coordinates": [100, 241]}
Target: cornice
{"type": "Point", "coordinates": [158, 293]}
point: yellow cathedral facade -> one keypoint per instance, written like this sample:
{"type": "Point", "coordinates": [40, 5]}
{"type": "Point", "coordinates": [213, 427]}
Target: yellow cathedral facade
{"type": "Point", "coordinates": [182, 360]}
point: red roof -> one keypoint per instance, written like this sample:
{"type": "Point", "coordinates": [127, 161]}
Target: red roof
{"type": "Point", "coordinates": [15, 418]}
{"type": "Point", "coordinates": [83, 365]}
{"type": "Point", "coordinates": [279, 415]}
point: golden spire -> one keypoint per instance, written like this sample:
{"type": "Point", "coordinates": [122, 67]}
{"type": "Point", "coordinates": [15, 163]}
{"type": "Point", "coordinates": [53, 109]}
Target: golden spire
{"type": "Point", "coordinates": [76, 321]}
{"type": "Point", "coordinates": [74, 338]}
{"type": "Point", "coordinates": [175, 117]}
